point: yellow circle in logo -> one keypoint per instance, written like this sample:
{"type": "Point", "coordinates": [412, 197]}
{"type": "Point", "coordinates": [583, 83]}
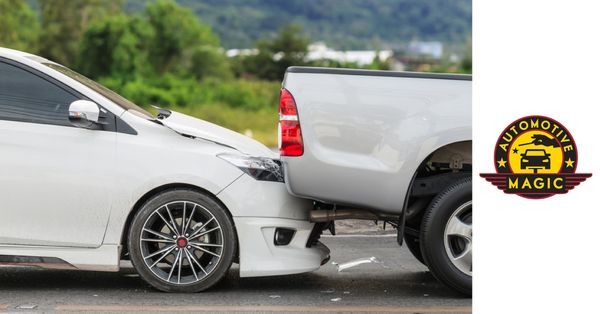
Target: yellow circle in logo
{"type": "Point", "coordinates": [535, 151]}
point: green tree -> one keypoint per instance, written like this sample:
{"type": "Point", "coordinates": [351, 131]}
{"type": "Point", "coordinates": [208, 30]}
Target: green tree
{"type": "Point", "coordinates": [378, 64]}
{"type": "Point", "coordinates": [181, 44]}
{"type": "Point", "coordinates": [466, 65]}
{"type": "Point", "coordinates": [19, 26]}
{"type": "Point", "coordinates": [64, 22]}
{"type": "Point", "coordinates": [274, 56]}
{"type": "Point", "coordinates": [165, 39]}
{"type": "Point", "coordinates": [115, 46]}
{"type": "Point", "coordinates": [157, 57]}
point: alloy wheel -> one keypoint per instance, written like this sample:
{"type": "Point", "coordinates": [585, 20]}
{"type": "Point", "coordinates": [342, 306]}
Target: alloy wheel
{"type": "Point", "coordinates": [458, 238]}
{"type": "Point", "coordinates": [181, 242]}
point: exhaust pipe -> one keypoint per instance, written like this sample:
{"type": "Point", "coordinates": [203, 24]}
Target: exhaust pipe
{"type": "Point", "coordinates": [322, 215]}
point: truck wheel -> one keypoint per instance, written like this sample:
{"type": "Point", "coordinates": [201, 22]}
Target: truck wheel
{"type": "Point", "coordinates": [182, 241]}
{"type": "Point", "coordinates": [414, 247]}
{"type": "Point", "coordinates": [446, 236]}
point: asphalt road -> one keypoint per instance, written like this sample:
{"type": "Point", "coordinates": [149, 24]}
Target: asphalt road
{"type": "Point", "coordinates": [401, 284]}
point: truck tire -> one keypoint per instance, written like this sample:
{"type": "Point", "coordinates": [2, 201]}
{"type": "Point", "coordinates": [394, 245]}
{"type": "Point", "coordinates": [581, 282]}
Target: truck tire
{"type": "Point", "coordinates": [446, 236]}
{"type": "Point", "coordinates": [182, 240]}
{"type": "Point", "coordinates": [414, 246]}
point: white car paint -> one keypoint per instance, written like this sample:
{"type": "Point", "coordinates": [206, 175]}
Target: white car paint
{"type": "Point", "coordinates": [205, 130]}
{"type": "Point", "coordinates": [67, 192]}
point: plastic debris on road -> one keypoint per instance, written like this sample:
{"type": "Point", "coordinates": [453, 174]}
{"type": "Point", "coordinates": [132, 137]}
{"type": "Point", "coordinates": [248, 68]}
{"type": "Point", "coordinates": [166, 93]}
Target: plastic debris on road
{"type": "Point", "coordinates": [26, 307]}
{"type": "Point", "coordinates": [356, 262]}
{"type": "Point", "coordinates": [274, 296]}
{"type": "Point", "coordinates": [336, 299]}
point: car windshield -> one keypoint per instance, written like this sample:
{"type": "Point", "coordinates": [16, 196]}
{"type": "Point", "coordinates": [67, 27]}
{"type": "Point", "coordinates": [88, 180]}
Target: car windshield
{"type": "Point", "coordinates": [536, 152]}
{"type": "Point", "coordinates": [102, 90]}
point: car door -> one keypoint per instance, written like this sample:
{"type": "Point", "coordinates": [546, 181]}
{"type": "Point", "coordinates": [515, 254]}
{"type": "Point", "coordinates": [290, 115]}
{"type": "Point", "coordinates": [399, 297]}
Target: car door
{"type": "Point", "coordinates": [55, 178]}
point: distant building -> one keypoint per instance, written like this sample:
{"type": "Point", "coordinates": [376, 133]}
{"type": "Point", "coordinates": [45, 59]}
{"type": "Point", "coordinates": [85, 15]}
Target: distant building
{"type": "Point", "coordinates": [231, 53]}
{"type": "Point", "coordinates": [397, 65]}
{"type": "Point", "coordinates": [433, 49]}
{"type": "Point", "coordinates": [320, 51]}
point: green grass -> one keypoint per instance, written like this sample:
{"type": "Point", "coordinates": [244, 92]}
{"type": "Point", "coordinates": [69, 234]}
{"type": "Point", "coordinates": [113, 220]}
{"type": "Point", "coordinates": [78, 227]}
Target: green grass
{"type": "Point", "coordinates": [245, 106]}
{"type": "Point", "coordinates": [262, 124]}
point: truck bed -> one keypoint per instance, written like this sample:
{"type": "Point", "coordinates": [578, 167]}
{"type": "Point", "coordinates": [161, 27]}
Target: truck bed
{"type": "Point", "coordinates": [365, 132]}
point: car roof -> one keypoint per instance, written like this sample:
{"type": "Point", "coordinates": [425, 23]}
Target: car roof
{"type": "Point", "coordinates": [17, 54]}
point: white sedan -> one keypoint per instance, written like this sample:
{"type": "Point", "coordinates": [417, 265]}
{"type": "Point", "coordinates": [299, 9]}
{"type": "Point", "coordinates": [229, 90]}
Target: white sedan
{"type": "Point", "coordinates": [89, 179]}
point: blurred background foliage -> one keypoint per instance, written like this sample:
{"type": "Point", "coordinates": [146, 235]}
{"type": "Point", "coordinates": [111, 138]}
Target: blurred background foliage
{"type": "Point", "coordinates": [342, 24]}
{"type": "Point", "coordinates": [171, 54]}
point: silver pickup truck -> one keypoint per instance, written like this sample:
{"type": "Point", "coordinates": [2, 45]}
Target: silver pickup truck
{"type": "Point", "coordinates": [386, 146]}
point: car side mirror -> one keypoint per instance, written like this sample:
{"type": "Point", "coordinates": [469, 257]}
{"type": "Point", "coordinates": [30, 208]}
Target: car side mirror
{"type": "Point", "coordinates": [84, 113]}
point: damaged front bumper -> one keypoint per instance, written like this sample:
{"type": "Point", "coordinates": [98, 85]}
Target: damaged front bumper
{"type": "Point", "coordinates": [260, 256]}
{"type": "Point", "coordinates": [259, 209]}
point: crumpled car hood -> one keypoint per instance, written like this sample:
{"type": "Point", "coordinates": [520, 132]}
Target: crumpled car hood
{"type": "Point", "coordinates": [198, 128]}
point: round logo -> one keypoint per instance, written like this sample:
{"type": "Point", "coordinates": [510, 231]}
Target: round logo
{"type": "Point", "coordinates": [535, 157]}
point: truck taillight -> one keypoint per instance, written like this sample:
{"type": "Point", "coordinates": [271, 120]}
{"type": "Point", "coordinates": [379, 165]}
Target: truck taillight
{"type": "Point", "coordinates": [290, 135]}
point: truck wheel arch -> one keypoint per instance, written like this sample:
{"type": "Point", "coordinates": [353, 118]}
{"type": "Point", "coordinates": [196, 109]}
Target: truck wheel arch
{"type": "Point", "coordinates": [456, 155]}
{"type": "Point", "coordinates": [441, 168]}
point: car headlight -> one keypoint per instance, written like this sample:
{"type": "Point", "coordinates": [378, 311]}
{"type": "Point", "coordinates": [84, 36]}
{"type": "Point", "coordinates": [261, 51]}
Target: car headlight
{"type": "Point", "coordinates": [260, 168]}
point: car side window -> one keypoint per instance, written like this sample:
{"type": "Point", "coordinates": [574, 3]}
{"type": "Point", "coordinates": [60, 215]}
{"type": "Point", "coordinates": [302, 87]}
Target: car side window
{"type": "Point", "coordinates": [27, 97]}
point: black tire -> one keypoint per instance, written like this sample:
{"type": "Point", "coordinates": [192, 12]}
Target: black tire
{"type": "Point", "coordinates": [414, 246]}
{"type": "Point", "coordinates": [456, 197]}
{"type": "Point", "coordinates": [204, 214]}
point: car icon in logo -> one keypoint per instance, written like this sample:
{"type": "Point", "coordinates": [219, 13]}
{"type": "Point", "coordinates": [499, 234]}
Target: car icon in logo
{"type": "Point", "coordinates": [535, 159]}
